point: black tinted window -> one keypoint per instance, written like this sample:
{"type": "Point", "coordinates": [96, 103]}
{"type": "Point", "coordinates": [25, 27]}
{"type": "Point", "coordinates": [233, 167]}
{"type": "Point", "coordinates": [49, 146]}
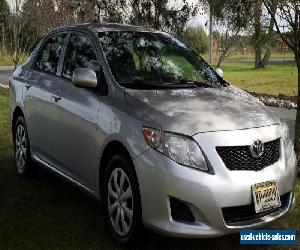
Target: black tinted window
{"type": "Point", "coordinates": [158, 58]}
{"type": "Point", "coordinates": [48, 56]}
{"type": "Point", "coordinates": [80, 54]}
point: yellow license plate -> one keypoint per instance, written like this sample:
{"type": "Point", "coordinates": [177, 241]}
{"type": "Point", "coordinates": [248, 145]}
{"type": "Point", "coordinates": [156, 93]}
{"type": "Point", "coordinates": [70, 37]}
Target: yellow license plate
{"type": "Point", "coordinates": [266, 196]}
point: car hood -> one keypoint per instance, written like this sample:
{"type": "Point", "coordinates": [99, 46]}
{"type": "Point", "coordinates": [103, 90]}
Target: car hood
{"type": "Point", "coordinates": [192, 111]}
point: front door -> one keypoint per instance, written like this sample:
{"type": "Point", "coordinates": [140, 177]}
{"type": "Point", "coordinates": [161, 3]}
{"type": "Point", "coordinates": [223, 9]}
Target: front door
{"type": "Point", "coordinates": [74, 136]}
{"type": "Point", "coordinates": [39, 88]}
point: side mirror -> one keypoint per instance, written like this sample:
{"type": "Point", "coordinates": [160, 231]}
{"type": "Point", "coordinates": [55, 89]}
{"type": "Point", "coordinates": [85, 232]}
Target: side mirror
{"type": "Point", "coordinates": [85, 78]}
{"type": "Point", "coordinates": [220, 72]}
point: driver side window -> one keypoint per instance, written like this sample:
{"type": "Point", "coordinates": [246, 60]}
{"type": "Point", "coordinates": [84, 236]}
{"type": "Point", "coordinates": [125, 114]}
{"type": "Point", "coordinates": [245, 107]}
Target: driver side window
{"type": "Point", "coordinates": [80, 54]}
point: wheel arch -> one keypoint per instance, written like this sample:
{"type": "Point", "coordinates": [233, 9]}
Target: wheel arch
{"type": "Point", "coordinates": [17, 113]}
{"type": "Point", "coordinates": [111, 149]}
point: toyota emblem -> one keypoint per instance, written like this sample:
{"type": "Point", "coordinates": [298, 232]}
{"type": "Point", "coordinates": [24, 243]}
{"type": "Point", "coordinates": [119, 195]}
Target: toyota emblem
{"type": "Point", "coordinates": [257, 148]}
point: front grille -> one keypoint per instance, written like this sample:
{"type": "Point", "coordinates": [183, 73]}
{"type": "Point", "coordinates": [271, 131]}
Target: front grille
{"type": "Point", "coordinates": [181, 212]}
{"type": "Point", "coordinates": [240, 157]}
{"type": "Point", "coordinates": [233, 215]}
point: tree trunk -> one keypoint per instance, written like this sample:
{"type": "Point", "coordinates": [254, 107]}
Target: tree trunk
{"type": "Point", "coordinates": [257, 33]}
{"type": "Point", "coordinates": [257, 57]}
{"type": "Point", "coordinates": [221, 58]}
{"type": "Point", "coordinates": [297, 127]}
{"type": "Point", "coordinates": [259, 61]}
{"type": "Point", "coordinates": [267, 55]}
{"type": "Point", "coordinates": [266, 58]}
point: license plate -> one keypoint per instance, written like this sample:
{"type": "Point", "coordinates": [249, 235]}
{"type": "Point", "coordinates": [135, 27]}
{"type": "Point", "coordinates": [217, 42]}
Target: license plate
{"type": "Point", "coordinates": [266, 196]}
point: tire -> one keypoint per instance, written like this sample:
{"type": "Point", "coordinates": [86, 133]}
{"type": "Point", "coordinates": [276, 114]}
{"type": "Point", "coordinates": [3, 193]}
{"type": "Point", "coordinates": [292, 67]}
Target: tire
{"type": "Point", "coordinates": [122, 203]}
{"type": "Point", "coordinates": [22, 154]}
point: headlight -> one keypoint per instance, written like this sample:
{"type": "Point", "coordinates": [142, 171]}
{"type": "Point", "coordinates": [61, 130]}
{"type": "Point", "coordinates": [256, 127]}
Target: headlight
{"type": "Point", "coordinates": [288, 144]}
{"type": "Point", "coordinates": [285, 131]}
{"type": "Point", "coordinates": [180, 149]}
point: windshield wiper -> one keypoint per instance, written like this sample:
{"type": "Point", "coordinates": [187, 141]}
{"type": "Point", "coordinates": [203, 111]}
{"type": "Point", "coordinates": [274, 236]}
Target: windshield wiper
{"type": "Point", "coordinates": [197, 83]}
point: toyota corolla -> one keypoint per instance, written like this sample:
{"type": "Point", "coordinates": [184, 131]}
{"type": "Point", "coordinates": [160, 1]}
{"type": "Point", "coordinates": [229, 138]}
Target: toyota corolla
{"type": "Point", "coordinates": [137, 119]}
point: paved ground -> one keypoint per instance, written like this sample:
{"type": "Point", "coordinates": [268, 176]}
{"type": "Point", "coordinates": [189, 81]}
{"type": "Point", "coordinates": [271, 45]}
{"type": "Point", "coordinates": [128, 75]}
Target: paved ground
{"type": "Point", "coordinates": [287, 115]}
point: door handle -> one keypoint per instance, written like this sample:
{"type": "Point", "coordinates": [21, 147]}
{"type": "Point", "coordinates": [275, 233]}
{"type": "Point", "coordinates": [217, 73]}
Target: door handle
{"type": "Point", "coordinates": [27, 86]}
{"type": "Point", "coordinates": [56, 98]}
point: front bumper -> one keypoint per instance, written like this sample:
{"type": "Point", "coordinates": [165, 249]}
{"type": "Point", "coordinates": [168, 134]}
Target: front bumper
{"type": "Point", "coordinates": [161, 178]}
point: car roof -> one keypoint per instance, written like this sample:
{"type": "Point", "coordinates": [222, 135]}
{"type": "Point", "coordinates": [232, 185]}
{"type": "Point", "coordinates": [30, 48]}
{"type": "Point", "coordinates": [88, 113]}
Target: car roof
{"type": "Point", "coordinates": [100, 27]}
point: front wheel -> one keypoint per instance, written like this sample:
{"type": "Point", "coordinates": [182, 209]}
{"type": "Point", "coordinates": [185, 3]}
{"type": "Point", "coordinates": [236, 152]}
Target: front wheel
{"type": "Point", "coordinates": [122, 200]}
{"type": "Point", "coordinates": [21, 148]}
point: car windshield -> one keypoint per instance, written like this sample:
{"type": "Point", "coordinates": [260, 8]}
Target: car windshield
{"type": "Point", "coordinates": [155, 59]}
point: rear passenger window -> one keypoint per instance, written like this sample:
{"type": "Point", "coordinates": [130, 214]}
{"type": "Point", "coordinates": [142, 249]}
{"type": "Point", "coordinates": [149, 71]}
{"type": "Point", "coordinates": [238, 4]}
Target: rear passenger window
{"type": "Point", "coordinates": [48, 56]}
{"type": "Point", "coordinates": [80, 54]}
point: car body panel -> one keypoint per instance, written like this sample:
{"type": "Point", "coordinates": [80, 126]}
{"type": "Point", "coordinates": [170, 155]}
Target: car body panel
{"type": "Point", "coordinates": [160, 175]}
{"type": "Point", "coordinates": [191, 111]}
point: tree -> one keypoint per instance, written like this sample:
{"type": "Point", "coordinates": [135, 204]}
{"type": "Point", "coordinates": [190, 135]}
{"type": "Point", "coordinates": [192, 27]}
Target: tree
{"type": "Point", "coordinates": [19, 35]}
{"type": "Point", "coordinates": [263, 35]}
{"type": "Point", "coordinates": [31, 19]}
{"type": "Point", "coordinates": [4, 13]}
{"type": "Point", "coordinates": [167, 15]}
{"type": "Point", "coordinates": [232, 17]}
{"type": "Point", "coordinates": [286, 19]}
{"type": "Point", "coordinates": [196, 38]}
{"type": "Point", "coordinates": [249, 16]}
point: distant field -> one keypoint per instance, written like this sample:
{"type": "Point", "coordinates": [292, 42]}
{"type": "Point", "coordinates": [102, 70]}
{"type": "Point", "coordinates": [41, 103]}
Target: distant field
{"type": "Point", "coordinates": [239, 56]}
{"type": "Point", "coordinates": [276, 78]}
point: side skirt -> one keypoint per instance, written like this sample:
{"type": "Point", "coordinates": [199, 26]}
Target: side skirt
{"type": "Point", "coordinates": [76, 183]}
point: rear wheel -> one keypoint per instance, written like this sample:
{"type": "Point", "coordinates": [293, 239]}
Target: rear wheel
{"type": "Point", "coordinates": [122, 200]}
{"type": "Point", "coordinates": [21, 148]}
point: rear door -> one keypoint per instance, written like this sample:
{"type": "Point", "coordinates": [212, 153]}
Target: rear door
{"type": "Point", "coordinates": [74, 138]}
{"type": "Point", "coordinates": [38, 100]}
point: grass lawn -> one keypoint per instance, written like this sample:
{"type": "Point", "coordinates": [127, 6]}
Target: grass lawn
{"type": "Point", "coordinates": [47, 212]}
{"type": "Point", "coordinates": [276, 78]}
{"type": "Point", "coordinates": [5, 60]}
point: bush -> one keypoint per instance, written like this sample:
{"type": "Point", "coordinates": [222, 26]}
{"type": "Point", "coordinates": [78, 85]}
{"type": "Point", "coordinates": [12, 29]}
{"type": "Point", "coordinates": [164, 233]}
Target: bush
{"type": "Point", "coordinates": [196, 38]}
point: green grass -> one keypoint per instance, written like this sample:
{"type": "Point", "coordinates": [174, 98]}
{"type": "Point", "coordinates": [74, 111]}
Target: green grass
{"type": "Point", "coordinates": [5, 60]}
{"type": "Point", "coordinates": [276, 78]}
{"type": "Point", "coordinates": [47, 212]}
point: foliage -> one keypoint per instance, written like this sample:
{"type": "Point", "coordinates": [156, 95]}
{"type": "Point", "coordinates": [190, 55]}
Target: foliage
{"type": "Point", "coordinates": [196, 38]}
{"type": "Point", "coordinates": [30, 20]}
{"type": "Point", "coordinates": [231, 18]}
{"type": "Point", "coordinates": [4, 11]}
{"type": "Point", "coordinates": [248, 15]}
{"type": "Point", "coordinates": [262, 33]}
{"type": "Point", "coordinates": [20, 34]}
